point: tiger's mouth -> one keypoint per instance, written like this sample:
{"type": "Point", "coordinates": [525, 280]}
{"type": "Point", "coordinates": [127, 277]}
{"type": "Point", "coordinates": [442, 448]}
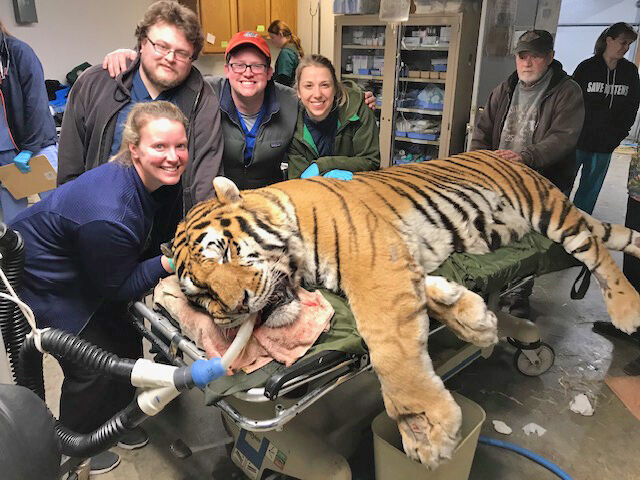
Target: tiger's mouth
{"type": "Point", "coordinates": [282, 308]}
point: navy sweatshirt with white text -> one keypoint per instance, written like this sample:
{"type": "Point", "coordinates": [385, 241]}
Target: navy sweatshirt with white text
{"type": "Point", "coordinates": [611, 100]}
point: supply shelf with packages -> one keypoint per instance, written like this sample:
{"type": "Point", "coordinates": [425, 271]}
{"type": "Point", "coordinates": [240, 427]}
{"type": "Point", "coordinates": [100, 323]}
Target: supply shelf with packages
{"type": "Point", "coordinates": [421, 72]}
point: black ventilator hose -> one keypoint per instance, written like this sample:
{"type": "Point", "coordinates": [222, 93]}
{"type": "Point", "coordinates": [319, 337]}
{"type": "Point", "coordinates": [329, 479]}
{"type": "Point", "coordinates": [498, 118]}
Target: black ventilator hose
{"type": "Point", "coordinates": [13, 324]}
{"type": "Point", "coordinates": [64, 345]}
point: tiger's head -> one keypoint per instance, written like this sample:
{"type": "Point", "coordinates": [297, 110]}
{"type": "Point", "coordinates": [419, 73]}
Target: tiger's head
{"type": "Point", "coordinates": [232, 257]}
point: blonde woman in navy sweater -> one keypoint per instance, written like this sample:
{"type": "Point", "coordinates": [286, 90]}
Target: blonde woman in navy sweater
{"type": "Point", "coordinates": [611, 91]}
{"type": "Point", "coordinates": [83, 263]}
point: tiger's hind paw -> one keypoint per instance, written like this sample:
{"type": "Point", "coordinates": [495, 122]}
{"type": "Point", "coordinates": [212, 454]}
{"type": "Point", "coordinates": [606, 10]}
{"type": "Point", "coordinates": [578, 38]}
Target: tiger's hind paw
{"type": "Point", "coordinates": [462, 310]}
{"type": "Point", "coordinates": [479, 326]}
{"type": "Point", "coordinates": [428, 440]}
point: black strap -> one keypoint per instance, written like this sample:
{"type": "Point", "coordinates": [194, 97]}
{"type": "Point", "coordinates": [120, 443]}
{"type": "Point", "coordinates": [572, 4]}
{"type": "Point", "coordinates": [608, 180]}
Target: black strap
{"type": "Point", "coordinates": [579, 292]}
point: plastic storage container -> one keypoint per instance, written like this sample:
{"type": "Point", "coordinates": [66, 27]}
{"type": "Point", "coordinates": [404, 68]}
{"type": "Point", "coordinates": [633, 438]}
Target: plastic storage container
{"type": "Point", "coordinates": [391, 463]}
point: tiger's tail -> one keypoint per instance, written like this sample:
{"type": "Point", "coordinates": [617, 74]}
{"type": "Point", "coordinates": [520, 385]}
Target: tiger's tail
{"type": "Point", "coordinates": [588, 240]}
{"type": "Point", "coordinates": [615, 237]}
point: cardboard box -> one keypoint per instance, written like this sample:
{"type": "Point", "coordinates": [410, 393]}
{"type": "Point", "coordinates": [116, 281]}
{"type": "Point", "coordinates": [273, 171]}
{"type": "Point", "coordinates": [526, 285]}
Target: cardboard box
{"type": "Point", "coordinates": [391, 463]}
{"type": "Point", "coordinates": [442, 75]}
{"type": "Point", "coordinates": [414, 74]}
{"type": "Point", "coordinates": [41, 178]}
{"type": "Point", "coordinates": [425, 74]}
{"type": "Point", "coordinates": [434, 75]}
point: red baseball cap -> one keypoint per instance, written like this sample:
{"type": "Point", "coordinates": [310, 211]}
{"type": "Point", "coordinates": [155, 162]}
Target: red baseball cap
{"type": "Point", "coordinates": [248, 38]}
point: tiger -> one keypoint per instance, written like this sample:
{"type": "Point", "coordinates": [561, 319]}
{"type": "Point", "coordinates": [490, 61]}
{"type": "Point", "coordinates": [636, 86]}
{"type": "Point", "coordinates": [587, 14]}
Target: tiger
{"type": "Point", "coordinates": [375, 239]}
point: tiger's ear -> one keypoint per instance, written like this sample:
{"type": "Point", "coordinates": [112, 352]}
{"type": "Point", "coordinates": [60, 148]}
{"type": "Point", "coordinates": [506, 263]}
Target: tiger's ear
{"type": "Point", "coordinates": [226, 190]}
{"type": "Point", "coordinates": [166, 249]}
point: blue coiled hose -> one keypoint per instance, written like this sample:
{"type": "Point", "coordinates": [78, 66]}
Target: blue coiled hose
{"type": "Point", "coordinates": [526, 453]}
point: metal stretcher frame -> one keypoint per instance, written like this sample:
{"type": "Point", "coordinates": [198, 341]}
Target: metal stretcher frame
{"type": "Point", "coordinates": [167, 338]}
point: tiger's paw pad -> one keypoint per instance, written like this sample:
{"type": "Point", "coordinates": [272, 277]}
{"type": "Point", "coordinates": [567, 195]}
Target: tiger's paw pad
{"type": "Point", "coordinates": [428, 441]}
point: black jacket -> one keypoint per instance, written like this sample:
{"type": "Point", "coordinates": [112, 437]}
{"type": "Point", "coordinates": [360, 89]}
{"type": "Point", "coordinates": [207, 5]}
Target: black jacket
{"type": "Point", "coordinates": [611, 100]}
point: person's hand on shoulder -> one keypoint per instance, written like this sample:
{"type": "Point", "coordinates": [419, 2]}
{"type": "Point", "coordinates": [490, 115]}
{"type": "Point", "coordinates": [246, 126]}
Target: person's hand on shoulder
{"type": "Point", "coordinates": [370, 99]}
{"type": "Point", "coordinates": [116, 61]}
{"type": "Point", "coordinates": [21, 161]}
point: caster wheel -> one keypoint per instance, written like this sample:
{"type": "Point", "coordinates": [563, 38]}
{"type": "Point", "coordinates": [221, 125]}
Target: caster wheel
{"type": "Point", "coordinates": [546, 357]}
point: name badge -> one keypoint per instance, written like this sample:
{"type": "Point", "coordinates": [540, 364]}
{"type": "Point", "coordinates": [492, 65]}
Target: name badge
{"type": "Point", "coordinates": [276, 144]}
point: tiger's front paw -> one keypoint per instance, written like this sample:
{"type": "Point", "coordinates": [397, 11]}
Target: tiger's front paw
{"type": "Point", "coordinates": [430, 440]}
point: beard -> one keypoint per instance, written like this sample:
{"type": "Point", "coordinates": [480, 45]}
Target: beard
{"type": "Point", "coordinates": [163, 83]}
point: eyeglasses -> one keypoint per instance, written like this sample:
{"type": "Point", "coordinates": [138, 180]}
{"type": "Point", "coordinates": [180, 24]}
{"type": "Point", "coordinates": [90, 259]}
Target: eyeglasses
{"type": "Point", "coordinates": [254, 67]}
{"type": "Point", "coordinates": [163, 50]}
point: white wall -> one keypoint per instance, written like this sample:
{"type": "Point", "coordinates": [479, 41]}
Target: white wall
{"type": "Point", "coordinates": [574, 44]}
{"type": "Point", "coordinates": [70, 32]}
{"type": "Point", "coordinates": [316, 31]}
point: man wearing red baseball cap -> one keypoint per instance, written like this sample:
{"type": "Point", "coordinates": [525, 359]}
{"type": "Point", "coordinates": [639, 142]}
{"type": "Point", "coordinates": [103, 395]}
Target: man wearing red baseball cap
{"type": "Point", "coordinates": [258, 115]}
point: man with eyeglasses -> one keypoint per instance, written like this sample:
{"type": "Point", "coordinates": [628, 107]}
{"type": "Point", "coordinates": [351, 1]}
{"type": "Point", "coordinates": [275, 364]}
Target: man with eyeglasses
{"type": "Point", "coordinates": [258, 115]}
{"type": "Point", "coordinates": [169, 38]}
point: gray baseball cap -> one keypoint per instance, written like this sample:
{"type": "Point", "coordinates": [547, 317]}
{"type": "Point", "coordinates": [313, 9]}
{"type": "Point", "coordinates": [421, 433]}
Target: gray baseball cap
{"type": "Point", "coordinates": [537, 41]}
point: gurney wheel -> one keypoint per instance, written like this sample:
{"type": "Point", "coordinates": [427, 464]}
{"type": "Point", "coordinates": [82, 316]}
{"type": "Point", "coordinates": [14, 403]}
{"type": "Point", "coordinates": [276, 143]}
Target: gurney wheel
{"type": "Point", "coordinates": [526, 366]}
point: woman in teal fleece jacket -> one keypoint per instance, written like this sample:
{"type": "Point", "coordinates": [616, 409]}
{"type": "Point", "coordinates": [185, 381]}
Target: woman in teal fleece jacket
{"type": "Point", "coordinates": [290, 52]}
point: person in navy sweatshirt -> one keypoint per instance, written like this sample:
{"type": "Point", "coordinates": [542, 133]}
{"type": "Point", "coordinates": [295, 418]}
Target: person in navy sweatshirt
{"type": "Point", "coordinates": [611, 91]}
{"type": "Point", "coordinates": [26, 125]}
{"type": "Point", "coordinates": [83, 245]}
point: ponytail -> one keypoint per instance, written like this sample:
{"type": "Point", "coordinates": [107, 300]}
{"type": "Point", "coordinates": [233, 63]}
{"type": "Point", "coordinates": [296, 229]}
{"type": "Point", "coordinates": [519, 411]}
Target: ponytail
{"type": "Point", "coordinates": [278, 27]}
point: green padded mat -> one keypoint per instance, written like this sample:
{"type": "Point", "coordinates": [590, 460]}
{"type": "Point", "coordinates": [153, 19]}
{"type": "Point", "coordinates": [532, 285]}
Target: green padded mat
{"type": "Point", "coordinates": [533, 254]}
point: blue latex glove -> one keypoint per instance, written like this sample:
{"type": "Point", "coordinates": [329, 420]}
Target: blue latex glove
{"type": "Point", "coordinates": [22, 161]}
{"type": "Point", "coordinates": [311, 171]}
{"type": "Point", "coordinates": [339, 174]}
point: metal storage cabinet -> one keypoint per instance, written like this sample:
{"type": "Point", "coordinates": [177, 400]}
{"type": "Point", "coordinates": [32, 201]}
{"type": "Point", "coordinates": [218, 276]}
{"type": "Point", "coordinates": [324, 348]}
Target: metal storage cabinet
{"type": "Point", "coordinates": [421, 71]}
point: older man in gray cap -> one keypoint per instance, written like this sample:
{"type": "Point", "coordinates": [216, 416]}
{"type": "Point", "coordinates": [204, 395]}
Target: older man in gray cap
{"type": "Point", "coordinates": [535, 116]}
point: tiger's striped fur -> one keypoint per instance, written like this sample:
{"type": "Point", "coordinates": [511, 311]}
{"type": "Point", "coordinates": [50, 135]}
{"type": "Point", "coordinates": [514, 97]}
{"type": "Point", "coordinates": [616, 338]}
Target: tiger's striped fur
{"type": "Point", "coordinates": [375, 239]}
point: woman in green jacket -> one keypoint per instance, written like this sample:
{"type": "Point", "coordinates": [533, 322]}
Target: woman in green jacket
{"type": "Point", "coordinates": [336, 133]}
{"type": "Point", "coordinates": [290, 52]}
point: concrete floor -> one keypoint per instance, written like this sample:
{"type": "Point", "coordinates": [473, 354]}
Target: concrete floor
{"type": "Point", "coordinates": [603, 446]}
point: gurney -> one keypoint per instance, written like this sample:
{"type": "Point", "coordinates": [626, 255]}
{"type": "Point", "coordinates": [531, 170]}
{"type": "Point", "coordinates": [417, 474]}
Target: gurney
{"type": "Point", "coordinates": [292, 420]}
